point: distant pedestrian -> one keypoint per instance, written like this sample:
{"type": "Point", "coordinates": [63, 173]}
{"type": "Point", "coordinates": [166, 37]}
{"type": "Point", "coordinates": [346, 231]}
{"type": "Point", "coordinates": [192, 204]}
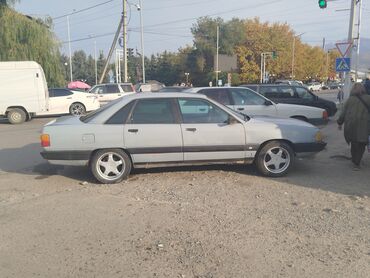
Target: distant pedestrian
{"type": "Point", "coordinates": [355, 116]}
{"type": "Point", "coordinates": [367, 85]}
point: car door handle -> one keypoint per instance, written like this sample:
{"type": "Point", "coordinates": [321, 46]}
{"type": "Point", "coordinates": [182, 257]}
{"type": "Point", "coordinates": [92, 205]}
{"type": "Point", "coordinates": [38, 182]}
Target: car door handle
{"type": "Point", "coordinates": [69, 97]}
{"type": "Point", "coordinates": [119, 95]}
{"type": "Point", "coordinates": [191, 129]}
{"type": "Point", "coordinates": [133, 130]}
{"type": "Point", "coordinates": [240, 108]}
{"type": "Point", "coordinates": [101, 96]}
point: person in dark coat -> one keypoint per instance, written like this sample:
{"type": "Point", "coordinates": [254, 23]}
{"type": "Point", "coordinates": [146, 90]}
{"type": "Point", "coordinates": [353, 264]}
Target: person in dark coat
{"type": "Point", "coordinates": [367, 85]}
{"type": "Point", "coordinates": [355, 117]}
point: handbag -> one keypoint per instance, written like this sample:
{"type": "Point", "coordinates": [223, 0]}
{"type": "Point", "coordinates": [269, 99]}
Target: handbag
{"type": "Point", "coordinates": [368, 110]}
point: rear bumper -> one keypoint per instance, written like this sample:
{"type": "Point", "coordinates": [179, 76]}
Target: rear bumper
{"type": "Point", "coordinates": [309, 147]}
{"type": "Point", "coordinates": [318, 121]}
{"type": "Point", "coordinates": [66, 155]}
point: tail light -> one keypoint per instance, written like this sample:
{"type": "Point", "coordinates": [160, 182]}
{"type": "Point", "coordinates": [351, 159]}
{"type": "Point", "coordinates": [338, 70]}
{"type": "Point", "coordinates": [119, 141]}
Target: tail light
{"type": "Point", "coordinates": [325, 115]}
{"type": "Point", "coordinates": [45, 140]}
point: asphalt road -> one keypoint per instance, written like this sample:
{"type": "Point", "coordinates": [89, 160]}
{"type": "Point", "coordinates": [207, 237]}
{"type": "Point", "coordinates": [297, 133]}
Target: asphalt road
{"type": "Point", "coordinates": [211, 221]}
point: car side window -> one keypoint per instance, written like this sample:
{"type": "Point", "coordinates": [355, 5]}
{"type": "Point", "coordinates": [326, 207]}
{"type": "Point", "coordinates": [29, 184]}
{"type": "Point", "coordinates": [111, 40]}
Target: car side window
{"type": "Point", "coordinates": [121, 116]}
{"type": "Point", "coordinates": [112, 89]}
{"type": "Point", "coordinates": [201, 112]}
{"type": "Point", "coordinates": [270, 91]}
{"type": "Point", "coordinates": [51, 93]}
{"type": "Point", "coordinates": [246, 97]}
{"type": "Point", "coordinates": [303, 93]}
{"type": "Point", "coordinates": [153, 111]}
{"type": "Point", "coordinates": [219, 95]}
{"type": "Point", "coordinates": [126, 88]}
{"type": "Point", "coordinates": [286, 92]}
{"type": "Point", "coordinates": [98, 89]}
{"type": "Point", "coordinates": [62, 93]}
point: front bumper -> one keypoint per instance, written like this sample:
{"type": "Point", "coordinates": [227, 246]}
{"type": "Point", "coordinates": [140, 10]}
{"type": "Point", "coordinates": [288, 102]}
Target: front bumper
{"type": "Point", "coordinates": [309, 147]}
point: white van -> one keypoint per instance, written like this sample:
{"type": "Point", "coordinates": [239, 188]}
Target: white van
{"type": "Point", "coordinates": [23, 91]}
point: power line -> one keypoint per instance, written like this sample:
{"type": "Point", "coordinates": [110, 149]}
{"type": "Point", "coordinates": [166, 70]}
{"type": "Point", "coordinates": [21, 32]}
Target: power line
{"type": "Point", "coordinates": [83, 10]}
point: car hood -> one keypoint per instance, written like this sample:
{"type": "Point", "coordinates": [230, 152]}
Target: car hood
{"type": "Point", "coordinates": [296, 107]}
{"type": "Point", "coordinates": [282, 121]}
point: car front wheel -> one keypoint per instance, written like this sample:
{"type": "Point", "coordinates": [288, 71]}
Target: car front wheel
{"type": "Point", "coordinates": [110, 165]}
{"type": "Point", "coordinates": [275, 159]}
{"type": "Point", "coordinates": [17, 116]}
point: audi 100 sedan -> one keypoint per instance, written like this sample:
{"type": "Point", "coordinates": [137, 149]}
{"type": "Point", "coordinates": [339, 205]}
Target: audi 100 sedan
{"type": "Point", "coordinates": [148, 130]}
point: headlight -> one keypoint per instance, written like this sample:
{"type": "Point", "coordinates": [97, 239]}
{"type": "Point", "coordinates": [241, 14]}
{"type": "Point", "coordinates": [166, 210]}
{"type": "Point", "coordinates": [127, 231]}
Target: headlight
{"type": "Point", "coordinates": [318, 136]}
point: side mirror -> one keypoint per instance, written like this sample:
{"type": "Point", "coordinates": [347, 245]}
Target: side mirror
{"type": "Point", "coordinates": [231, 120]}
{"type": "Point", "coordinates": [268, 102]}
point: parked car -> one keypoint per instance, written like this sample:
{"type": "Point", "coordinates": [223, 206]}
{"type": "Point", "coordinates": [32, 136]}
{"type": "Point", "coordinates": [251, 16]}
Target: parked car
{"type": "Point", "coordinates": [247, 101]}
{"type": "Point", "coordinates": [111, 91]}
{"type": "Point", "coordinates": [24, 92]}
{"type": "Point", "coordinates": [293, 95]}
{"type": "Point", "coordinates": [66, 101]}
{"type": "Point", "coordinates": [147, 130]}
{"type": "Point", "coordinates": [289, 82]}
{"type": "Point", "coordinates": [314, 86]}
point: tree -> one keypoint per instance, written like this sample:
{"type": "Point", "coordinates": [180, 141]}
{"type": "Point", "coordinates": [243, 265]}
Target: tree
{"type": "Point", "coordinates": [24, 38]}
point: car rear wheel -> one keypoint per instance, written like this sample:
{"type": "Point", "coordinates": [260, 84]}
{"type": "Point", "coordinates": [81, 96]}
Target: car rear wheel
{"type": "Point", "coordinates": [77, 109]}
{"type": "Point", "coordinates": [16, 116]}
{"type": "Point", "coordinates": [275, 159]}
{"type": "Point", "coordinates": [110, 165]}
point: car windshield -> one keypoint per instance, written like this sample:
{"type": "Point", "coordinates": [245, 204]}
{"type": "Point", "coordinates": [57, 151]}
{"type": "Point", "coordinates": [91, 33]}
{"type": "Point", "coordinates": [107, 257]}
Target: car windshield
{"type": "Point", "coordinates": [88, 117]}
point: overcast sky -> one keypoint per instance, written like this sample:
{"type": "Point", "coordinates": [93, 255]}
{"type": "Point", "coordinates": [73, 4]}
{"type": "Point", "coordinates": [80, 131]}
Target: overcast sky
{"type": "Point", "coordinates": [167, 23]}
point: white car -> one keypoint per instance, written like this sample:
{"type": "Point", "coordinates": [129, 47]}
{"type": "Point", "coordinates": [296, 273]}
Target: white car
{"type": "Point", "coordinates": [249, 102]}
{"type": "Point", "coordinates": [314, 86]}
{"type": "Point", "coordinates": [109, 92]}
{"type": "Point", "coordinates": [65, 101]}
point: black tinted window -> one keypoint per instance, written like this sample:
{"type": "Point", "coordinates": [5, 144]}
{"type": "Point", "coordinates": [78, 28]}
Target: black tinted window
{"type": "Point", "coordinates": [111, 89]}
{"type": "Point", "coordinates": [303, 93]}
{"type": "Point", "coordinates": [61, 92]}
{"type": "Point", "coordinates": [120, 117]}
{"type": "Point", "coordinates": [98, 89]}
{"type": "Point", "coordinates": [286, 92]}
{"type": "Point", "coordinates": [153, 111]}
{"type": "Point", "coordinates": [201, 111]}
{"type": "Point", "coordinates": [219, 95]}
{"type": "Point", "coordinates": [252, 87]}
{"type": "Point", "coordinates": [246, 97]}
{"type": "Point", "coordinates": [269, 91]}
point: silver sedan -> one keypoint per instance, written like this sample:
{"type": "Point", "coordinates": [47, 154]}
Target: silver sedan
{"type": "Point", "coordinates": [149, 130]}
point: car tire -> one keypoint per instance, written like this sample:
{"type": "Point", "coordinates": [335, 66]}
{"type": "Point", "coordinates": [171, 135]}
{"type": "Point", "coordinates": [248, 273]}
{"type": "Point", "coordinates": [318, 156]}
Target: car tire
{"type": "Point", "coordinates": [16, 116]}
{"type": "Point", "coordinates": [110, 165]}
{"type": "Point", "coordinates": [77, 109]}
{"type": "Point", "coordinates": [275, 159]}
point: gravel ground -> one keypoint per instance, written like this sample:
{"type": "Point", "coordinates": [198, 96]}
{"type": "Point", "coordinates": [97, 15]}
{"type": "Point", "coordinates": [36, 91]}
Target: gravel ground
{"type": "Point", "coordinates": [214, 221]}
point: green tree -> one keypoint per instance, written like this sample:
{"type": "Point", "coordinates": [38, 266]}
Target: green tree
{"type": "Point", "coordinates": [23, 38]}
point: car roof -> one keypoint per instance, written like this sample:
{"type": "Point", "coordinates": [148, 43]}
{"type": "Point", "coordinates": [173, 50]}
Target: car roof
{"type": "Point", "coordinates": [159, 95]}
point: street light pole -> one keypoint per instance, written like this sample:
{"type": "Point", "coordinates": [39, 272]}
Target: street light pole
{"type": "Point", "coordinates": [293, 52]}
{"type": "Point", "coordinates": [218, 34]}
{"type": "Point", "coordinates": [187, 78]}
{"type": "Point", "coordinates": [142, 39]}
{"type": "Point", "coordinates": [69, 47]}
{"type": "Point", "coordinates": [96, 64]}
{"type": "Point", "coordinates": [125, 38]}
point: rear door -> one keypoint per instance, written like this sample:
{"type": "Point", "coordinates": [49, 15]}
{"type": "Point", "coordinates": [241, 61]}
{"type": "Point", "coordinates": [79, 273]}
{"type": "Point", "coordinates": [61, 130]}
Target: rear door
{"type": "Point", "coordinates": [153, 132]}
{"type": "Point", "coordinates": [249, 102]}
{"type": "Point", "coordinates": [60, 101]}
{"type": "Point", "coordinates": [207, 135]}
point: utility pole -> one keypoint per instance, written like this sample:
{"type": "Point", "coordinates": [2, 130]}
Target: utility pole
{"type": "Point", "coordinates": [347, 81]}
{"type": "Point", "coordinates": [359, 3]}
{"type": "Point", "coordinates": [124, 33]}
{"type": "Point", "coordinates": [142, 40]}
{"type": "Point", "coordinates": [218, 35]}
{"type": "Point", "coordinates": [70, 51]}
{"type": "Point", "coordinates": [114, 43]}
{"type": "Point", "coordinates": [293, 53]}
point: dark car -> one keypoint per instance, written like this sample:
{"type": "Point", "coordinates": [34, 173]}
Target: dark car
{"type": "Point", "coordinates": [173, 89]}
{"type": "Point", "coordinates": [280, 93]}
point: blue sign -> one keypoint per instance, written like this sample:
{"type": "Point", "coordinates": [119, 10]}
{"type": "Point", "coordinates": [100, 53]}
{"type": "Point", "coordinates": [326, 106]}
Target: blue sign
{"type": "Point", "coordinates": [343, 65]}
{"type": "Point", "coordinates": [120, 41]}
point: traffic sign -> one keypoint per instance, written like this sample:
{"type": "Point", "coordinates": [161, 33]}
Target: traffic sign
{"type": "Point", "coordinates": [343, 48]}
{"type": "Point", "coordinates": [343, 65]}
